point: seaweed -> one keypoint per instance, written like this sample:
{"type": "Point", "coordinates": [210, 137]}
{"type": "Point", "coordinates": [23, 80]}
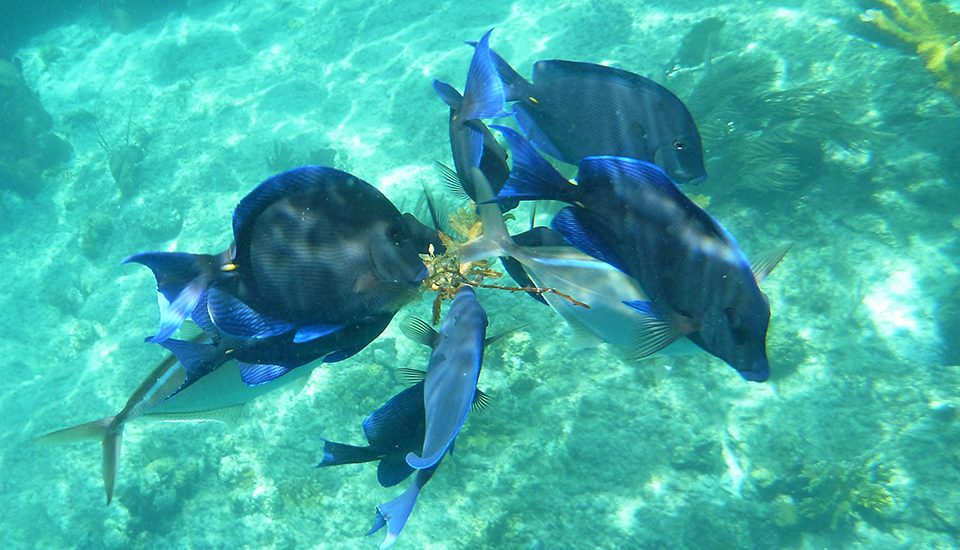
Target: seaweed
{"type": "Point", "coordinates": [930, 29]}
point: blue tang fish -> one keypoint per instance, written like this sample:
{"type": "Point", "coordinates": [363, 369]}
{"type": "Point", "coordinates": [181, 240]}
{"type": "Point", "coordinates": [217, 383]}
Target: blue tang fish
{"type": "Point", "coordinates": [471, 142]}
{"type": "Point", "coordinates": [629, 214]}
{"type": "Point", "coordinates": [321, 261]}
{"type": "Point", "coordinates": [575, 110]}
{"type": "Point", "coordinates": [451, 381]}
{"type": "Point", "coordinates": [392, 431]}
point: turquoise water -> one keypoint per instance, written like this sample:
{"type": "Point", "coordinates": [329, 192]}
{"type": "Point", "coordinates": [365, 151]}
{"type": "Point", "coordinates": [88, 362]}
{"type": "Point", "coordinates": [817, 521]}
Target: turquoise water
{"type": "Point", "coordinates": [818, 131]}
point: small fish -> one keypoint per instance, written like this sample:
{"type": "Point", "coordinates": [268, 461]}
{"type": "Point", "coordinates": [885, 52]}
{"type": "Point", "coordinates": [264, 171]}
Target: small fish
{"type": "Point", "coordinates": [392, 431]}
{"type": "Point", "coordinates": [629, 214]}
{"type": "Point", "coordinates": [171, 393]}
{"type": "Point", "coordinates": [450, 386]}
{"type": "Point", "coordinates": [575, 110]}
{"type": "Point", "coordinates": [471, 142]}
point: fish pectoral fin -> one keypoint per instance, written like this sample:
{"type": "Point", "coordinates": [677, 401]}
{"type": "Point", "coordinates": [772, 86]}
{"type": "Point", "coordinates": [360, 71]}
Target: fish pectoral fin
{"type": "Point", "coordinates": [228, 416]}
{"type": "Point", "coordinates": [655, 332]}
{"type": "Point", "coordinates": [389, 297]}
{"type": "Point", "coordinates": [481, 400]}
{"type": "Point", "coordinates": [411, 376]}
{"type": "Point", "coordinates": [419, 331]}
{"type": "Point", "coordinates": [766, 262]}
{"type": "Point", "coordinates": [255, 374]}
{"type": "Point", "coordinates": [503, 335]}
{"type": "Point", "coordinates": [452, 181]}
{"type": "Point", "coordinates": [312, 332]}
{"type": "Point", "coordinates": [234, 317]}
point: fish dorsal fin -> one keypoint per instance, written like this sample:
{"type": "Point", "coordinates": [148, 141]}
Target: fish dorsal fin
{"type": "Point", "coordinates": [481, 401]}
{"type": "Point", "coordinates": [655, 332]}
{"type": "Point", "coordinates": [229, 416]}
{"type": "Point", "coordinates": [452, 181]}
{"type": "Point", "coordinates": [419, 331]}
{"type": "Point", "coordinates": [411, 376]}
{"type": "Point", "coordinates": [437, 218]}
{"type": "Point", "coordinates": [766, 262]}
{"type": "Point", "coordinates": [255, 374]}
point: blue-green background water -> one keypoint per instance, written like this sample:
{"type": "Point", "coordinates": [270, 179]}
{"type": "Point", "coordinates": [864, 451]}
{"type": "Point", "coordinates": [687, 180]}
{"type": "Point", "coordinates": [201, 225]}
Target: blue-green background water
{"type": "Point", "coordinates": [817, 131]}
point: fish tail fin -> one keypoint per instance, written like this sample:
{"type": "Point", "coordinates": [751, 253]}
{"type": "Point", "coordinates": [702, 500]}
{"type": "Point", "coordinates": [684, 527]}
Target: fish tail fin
{"type": "Point", "coordinates": [495, 241]}
{"type": "Point", "coordinates": [483, 95]}
{"type": "Point", "coordinates": [532, 177]}
{"type": "Point", "coordinates": [515, 87]}
{"type": "Point", "coordinates": [394, 515]}
{"type": "Point", "coordinates": [181, 281]}
{"type": "Point", "coordinates": [335, 454]}
{"type": "Point", "coordinates": [110, 433]}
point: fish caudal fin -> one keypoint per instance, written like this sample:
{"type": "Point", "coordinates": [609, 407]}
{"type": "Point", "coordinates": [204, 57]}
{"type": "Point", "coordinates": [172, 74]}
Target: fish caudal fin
{"type": "Point", "coordinates": [394, 515]}
{"type": "Point", "coordinates": [532, 177]}
{"type": "Point", "coordinates": [483, 95]}
{"type": "Point", "coordinates": [110, 434]}
{"type": "Point", "coordinates": [181, 281]}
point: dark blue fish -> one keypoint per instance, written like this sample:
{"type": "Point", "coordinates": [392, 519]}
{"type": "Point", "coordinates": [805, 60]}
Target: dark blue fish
{"type": "Point", "coordinates": [450, 386]}
{"type": "Point", "coordinates": [392, 431]}
{"type": "Point", "coordinates": [575, 110]}
{"type": "Point", "coordinates": [471, 142]}
{"type": "Point", "coordinates": [629, 214]}
{"type": "Point", "coordinates": [321, 261]}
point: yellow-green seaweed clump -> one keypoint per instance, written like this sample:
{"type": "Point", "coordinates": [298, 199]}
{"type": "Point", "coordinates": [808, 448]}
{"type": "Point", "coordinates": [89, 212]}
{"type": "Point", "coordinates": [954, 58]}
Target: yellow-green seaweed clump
{"type": "Point", "coordinates": [834, 492]}
{"type": "Point", "coordinates": [930, 29]}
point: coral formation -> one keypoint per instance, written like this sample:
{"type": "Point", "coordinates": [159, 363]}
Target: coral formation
{"type": "Point", "coordinates": [27, 147]}
{"type": "Point", "coordinates": [930, 29]}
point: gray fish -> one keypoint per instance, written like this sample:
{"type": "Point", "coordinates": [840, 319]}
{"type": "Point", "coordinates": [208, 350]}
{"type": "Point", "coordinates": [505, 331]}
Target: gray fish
{"type": "Point", "coordinates": [629, 214]}
{"type": "Point", "coordinates": [575, 110]}
{"type": "Point", "coordinates": [450, 386]}
{"type": "Point", "coordinates": [167, 393]}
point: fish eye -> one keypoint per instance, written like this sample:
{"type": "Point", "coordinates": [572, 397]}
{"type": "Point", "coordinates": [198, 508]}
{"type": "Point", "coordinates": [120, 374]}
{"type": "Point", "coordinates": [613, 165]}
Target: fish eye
{"type": "Point", "coordinates": [678, 145]}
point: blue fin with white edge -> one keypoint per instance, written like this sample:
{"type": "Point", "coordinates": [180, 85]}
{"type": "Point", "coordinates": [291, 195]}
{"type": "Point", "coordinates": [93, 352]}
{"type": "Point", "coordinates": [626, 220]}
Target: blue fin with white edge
{"type": "Point", "coordinates": [655, 332]}
{"type": "Point", "coordinates": [312, 332]}
{"type": "Point", "coordinates": [182, 279]}
{"type": "Point", "coordinates": [255, 374]}
{"type": "Point", "coordinates": [532, 177]}
{"type": "Point", "coordinates": [483, 95]}
{"type": "Point", "coordinates": [567, 222]}
{"type": "Point", "coordinates": [236, 318]}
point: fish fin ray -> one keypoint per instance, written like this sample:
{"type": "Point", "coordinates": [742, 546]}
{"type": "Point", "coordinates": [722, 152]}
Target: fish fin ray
{"type": "Point", "coordinates": [655, 333]}
{"type": "Point", "coordinates": [483, 95]}
{"type": "Point", "coordinates": [228, 416]}
{"type": "Point", "coordinates": [481, 401]}
{"type": "Point", "coordinates": [410, 376]}
{"type": "Point", "coordinates": [448, 94]}
{"type": "Point", "coordinates": [452, 181]}
{"type": "Point", "coordinates": [255, 374]}
{"type": "Point", "coordinates": [766, 262]}
{"type": "Point", "coordinates": [419, 331]}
